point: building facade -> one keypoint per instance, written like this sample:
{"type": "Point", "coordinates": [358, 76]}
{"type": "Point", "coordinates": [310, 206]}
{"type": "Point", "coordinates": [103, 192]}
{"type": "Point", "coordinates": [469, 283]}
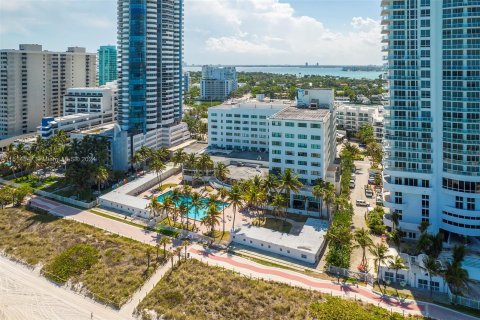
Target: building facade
{"type": "Point", "coordinates": [150, 78]}
{"type": "Point", "coordinates": [50, 126]}
{"type": "Point", "coordinates": [242, 125]}
{"type": "Point", "coordinates": [302, 137]}
{"type": "Point", "coordinates": [107, 64]}
{"type": "Point", "coordinates": [103, 100]}
{"type": "Point", "coordinates": [33, 83]}
{"type": "Point", "coordinates": [432, 126]}
{"type": "Point", "coordinates": [217, 82]}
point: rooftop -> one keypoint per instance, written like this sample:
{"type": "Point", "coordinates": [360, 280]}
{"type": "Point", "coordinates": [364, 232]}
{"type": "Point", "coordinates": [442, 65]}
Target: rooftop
{"type": "Point", "coordinates": [294, 113]}
{"type": "Point", "coordinates": [254, 104]}
{"type": "Point", "coordinates": [310, 239]}
{"type": "Point", "coordinates": [103, 129]}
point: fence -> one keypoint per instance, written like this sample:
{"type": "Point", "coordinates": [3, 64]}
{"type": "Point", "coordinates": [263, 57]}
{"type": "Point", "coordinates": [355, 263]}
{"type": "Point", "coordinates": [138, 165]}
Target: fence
{"type": "Point", "coordinates": [361, 276]}
{"type": "Point", "coordinates": [463, 301]}
{"type": "Point", "coordinates": [86, 205]}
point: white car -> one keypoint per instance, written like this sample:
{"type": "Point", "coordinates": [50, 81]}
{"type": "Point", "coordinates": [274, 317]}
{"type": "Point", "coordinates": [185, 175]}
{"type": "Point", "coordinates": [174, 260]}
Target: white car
{"type": "Point", "coordinates": [362, 203]}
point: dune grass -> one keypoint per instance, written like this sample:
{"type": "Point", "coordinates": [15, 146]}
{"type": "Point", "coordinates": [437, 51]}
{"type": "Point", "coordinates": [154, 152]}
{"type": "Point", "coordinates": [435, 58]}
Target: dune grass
{"type": "Point", "coordinates": [197, 291]}
{"type": "Point", "coordinates": [109, 267]}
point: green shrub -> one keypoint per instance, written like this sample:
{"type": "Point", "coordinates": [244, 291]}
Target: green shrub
{"type": "Point", "coordinates": [375, 221]}
{"type": "Point", "coordinates": [71, 262]}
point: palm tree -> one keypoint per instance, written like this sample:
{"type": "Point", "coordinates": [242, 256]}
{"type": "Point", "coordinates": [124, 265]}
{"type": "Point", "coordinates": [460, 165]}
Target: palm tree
{"type": "Point", "coordinates": [197, 203]}
{"type": "Point", "coordinates": [183, 212]}
{"type": "Point", "coordinates": [456, 276]}
{"type": "Point", "coordinates": [423, 227]}
{"type": "Point", "coordinates": [395, 219]}
{"type": "Point", "coordinates": [158, 166]}
{"type": "Point", "coordinates": [185, 244]}
{"type": "Point", "coordinates": [380, 253]}
{"type": "Point", "coordinates": [149, 253]}
{"type": "Point", "coordinates": [223, 194]}
{"type": "Point", "coordinates": [329, 197]}
{"type": "Point", "coordinates": [179, 158]}
{"type": "Point", "coordinates": [164, 241]}
{"type": "Point", "coordinates": [221, 171]}
{"type": "Point", "coordinates": [176, 197]}
{"type": "Point", "coordinates": [212, 200]}
{"type": "Point", "coordinates": [396, 236]}
{"type": "Point", "coordinates": [154, 206]}
{"type": "Point", "coordinates": [289, 183]}
{"type": "Point", "coordinates": [211, 219]}
{"type": "Point", "coordinates": [101, 176]}
{"type": "Point", "coordinates": [432, 266]}
{"type": "Point", "coordinates": [190, 163]}
{"type": "Point", "coordinates": [235, 199]}
{"type": "Point", "coordinates": [135, 160]}
{"type": "Point", "coordinates": [167, 205]}
{"type": "Point", "coordinates": [270, 185]}
{"type": "Point", "coordinates": [186, 191]}
{"type": "Point", "coordinates": [363, 240]}
{"type": "Point", "coordinates": [279, 205]}
{"type": "Point", "coordinates": [319, 192]}
{"type": "Point", "coordinates": [396, 264]}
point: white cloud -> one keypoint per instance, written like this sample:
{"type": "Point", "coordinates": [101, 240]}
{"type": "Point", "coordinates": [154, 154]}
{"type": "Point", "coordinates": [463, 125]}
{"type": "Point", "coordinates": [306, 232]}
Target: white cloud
{"type": "Point", "coordinates": [267, 31]}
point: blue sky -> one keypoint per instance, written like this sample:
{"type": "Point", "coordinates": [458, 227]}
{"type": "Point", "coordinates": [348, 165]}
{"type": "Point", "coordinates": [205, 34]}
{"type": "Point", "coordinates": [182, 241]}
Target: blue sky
{"type": "Point", "coordinates": [216, 31]}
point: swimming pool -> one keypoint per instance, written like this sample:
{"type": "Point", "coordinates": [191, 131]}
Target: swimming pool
{"type": "Point", "coordinates": [202, 211]}
{"type": "Point", "coordinates": [472, 265]}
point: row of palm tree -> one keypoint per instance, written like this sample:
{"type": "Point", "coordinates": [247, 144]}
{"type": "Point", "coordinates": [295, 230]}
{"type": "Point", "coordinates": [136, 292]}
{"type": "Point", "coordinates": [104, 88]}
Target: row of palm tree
{"type": "Point", "coordinates": [324, 192]}
{"type": "Point", "coordinates": [85, 161]}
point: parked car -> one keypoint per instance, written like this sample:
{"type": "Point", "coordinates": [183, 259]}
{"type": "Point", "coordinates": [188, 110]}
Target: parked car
{"type": "Point", "coordinates": [353, 177]}
{"type": "Point", "coordinates": [369, 192]}
{"type": "Point", "coordinates": [362, 203]}
{"type": "Point", "coordinates": [379, 201]}
{"type": "Point", "coordinates": [352, 184]}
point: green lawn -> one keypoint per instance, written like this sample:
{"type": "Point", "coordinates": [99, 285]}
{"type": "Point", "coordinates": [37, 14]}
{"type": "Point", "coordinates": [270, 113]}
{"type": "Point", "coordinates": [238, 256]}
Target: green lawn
{"type": "Point", "coordinates": [197, 291]}
{"type": "Point", "coordinates": [86, 195]}
{"type": "Point", "coordinates": [46, 183]}
{"type": "Point", "coordinates": [109, 267]}
{"type": "Point", "coordinates": [273, 224]}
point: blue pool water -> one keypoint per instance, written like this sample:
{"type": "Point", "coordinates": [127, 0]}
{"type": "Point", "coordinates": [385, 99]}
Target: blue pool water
{"type": "Point", "coordinates": [472, 265]}
{"type": "Point", "coordinates": [202, 211]}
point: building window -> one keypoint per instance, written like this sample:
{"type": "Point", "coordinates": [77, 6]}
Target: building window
{"type": "Point", "coordinates": [276, 143]}
{"type": "Point", "coordinates": [315, 125]}
{"type": "Point", "coordinates": [459, 202]}
{"type": "Point", "coordinates": [289, 136]}
{"type": "Point", "coordinates": [315, 137]}
{"type": "Point", "coordinates": [471, 204]}
{"type": "Point", "coordinates": [276, 134]}
{"type": "Point", "coordinates": [315, 146]}
{"type": "Point", "coordinates": [289, 144]}
{"type": "Point", "coordinates": [289, 124]}
{"type": "Point", "coordinates": [422, 284]}
{"type": "Point", "coordinates": [304, 256]}
{"type": "Point", "coordinates": [302, 136]}
{"type": "Point", "coordinates": [302, 145]}
{"type": "Point", "coordinates": [276, 123]}
{"type": "Point", "coordinates": [302, 125]}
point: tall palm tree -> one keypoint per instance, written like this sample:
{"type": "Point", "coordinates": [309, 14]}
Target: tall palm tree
{"type": "Point", "coordinates": [197, 203]}
{"type": "Point", "coordinates": [158, 166]}
{"type": "Point", "coordinates": [221, 171]}
{"type": "Point", "coordinates": [395, 219]}
{"type": "Point", "coordinates": [176, 198]}
{"type": "Point", "coordinates": [211, 219]}
{"type": "Point", "coordinates": [185, 244]}
{"type": "Point", "coordinates": [396, 264]}
{"type": "Point", "coordinates": [319, 192]}
{"type": "Point", "coordinates": [236, 200]}
{"type": "Point", "coordinates": [167, 205]}
{"type": "Point", "coordinates": [164, 241]}
{"type": "Point", "coordinates": [363, 240]}
{"type": "Point", "coordinates": [432, 266]}
{"type": "Point", "coordinates": [186, 192]}
{"type": "Point", "coordinates": [183, 212]}
{"type": "Point", "coordinates": [212, 200]}
{"type": "Point", "coordinates": [179, 158]}
{"type": "Point", "coordinates": [101, 176]}
{"type": "Point", "coordinates": [329, 197]}
{"type": "Point", "coordinates": [380, 253]}
{"type": "Point", "coordinates": [289, 183]}
{"type": "Point", "coordinates": [223, 194]}
{"type": "Point", "coordinates": [279, 205]}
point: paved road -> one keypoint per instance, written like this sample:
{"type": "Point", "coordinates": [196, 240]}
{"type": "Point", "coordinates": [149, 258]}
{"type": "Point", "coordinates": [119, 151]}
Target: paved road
{"type": "Point", "coordinates": [252, 269]}
{"type": "Point", "coordinates": [24, 294]}
{"type": "Point", "coordinates": [86, 217]}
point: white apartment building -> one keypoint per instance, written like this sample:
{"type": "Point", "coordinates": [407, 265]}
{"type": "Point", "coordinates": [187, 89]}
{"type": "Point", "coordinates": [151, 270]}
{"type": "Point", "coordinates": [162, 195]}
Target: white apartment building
{"type": "Point", "coordinates": [351, 117]}
{"type": "Point", "coordinates": [102, 100]}
{"type": "Point", "coordinates": [50, 126]}
{"type": "Point", "coordinates": [33, 82]}
{"type": "Point", "coordinates": [302, 139]}
{"type": "Point", "coordinates": [242, 125]}
{"type": "Point", "coordinates": [432, 122]}
{"type": "Point", "coordinates": [217, 82]}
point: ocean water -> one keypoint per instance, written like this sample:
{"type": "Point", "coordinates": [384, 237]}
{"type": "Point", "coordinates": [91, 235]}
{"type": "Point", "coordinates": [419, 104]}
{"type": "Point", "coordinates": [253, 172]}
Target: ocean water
{"type": "Point", "coordinates": [299, 71]}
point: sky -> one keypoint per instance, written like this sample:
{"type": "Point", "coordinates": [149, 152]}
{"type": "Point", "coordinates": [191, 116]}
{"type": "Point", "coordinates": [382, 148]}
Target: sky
{"type": "Point", "coordinates": [216, 31]}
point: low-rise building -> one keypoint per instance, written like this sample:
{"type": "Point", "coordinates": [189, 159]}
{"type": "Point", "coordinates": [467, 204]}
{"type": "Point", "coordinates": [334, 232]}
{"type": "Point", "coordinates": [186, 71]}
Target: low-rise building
{"type": "Point", "coordinates": [351, 117]}
{"type": "Point", "coordinates": [52, 125]}
{"type": "Point", "coordinates": [305, 246]}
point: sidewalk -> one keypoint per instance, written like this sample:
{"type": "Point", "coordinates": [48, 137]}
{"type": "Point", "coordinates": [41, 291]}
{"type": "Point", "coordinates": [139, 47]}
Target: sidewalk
{"type": "Point", "coordinates": [251, 269]}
